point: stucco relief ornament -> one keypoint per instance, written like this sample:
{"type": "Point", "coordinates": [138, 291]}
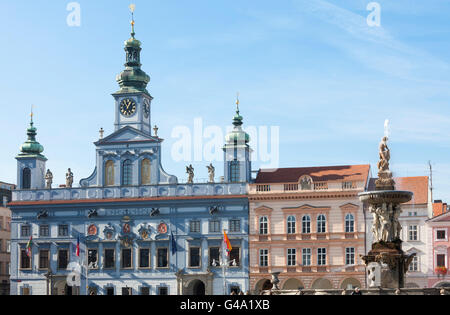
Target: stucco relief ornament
{"type": "Point", "coordinates": [305, 183]}
{"type": "Point", "coordinates": [92, 230]}
{"type": "Point", "coordinates": [144, 232]}
{"type": "Point", "coordinates": [162, 230]}
{"type": "Point", "coordinates": [126, 236]}
{"type": "Point", "coordinates": [109, 231]}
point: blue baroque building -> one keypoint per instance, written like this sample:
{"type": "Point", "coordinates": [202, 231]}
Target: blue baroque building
{"type": "Point", "coordinates": [130, 227]}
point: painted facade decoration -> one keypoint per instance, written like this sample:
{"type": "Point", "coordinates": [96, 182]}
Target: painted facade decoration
{"type": "Point", "coordinates": [140, 231]}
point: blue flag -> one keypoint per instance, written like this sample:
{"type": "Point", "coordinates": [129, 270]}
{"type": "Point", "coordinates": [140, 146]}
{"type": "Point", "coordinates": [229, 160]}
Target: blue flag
{"type": "Point", "coordinates": [174, 244]}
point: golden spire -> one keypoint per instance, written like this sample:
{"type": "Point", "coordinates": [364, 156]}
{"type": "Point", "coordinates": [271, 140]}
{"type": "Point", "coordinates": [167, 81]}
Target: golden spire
{"type": "Point", "coordinates": [237, 102]}
{"type": "Point", "coordinates": [132, 9]}
{"type": "Point", "coordinates": [31, 114]}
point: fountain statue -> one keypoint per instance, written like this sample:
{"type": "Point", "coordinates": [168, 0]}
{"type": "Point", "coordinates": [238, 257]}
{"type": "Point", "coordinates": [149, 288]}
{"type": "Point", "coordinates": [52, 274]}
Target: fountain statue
{"type": "Point", "coordinates": [386, 262]}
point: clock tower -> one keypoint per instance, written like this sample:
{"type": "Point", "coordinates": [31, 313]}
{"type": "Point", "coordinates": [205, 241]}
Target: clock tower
{"type": "Point", "coordinates": [133, 101]}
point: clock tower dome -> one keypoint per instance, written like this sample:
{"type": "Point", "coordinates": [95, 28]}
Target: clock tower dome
{"type": "Point", "coordinates": [133, 101]}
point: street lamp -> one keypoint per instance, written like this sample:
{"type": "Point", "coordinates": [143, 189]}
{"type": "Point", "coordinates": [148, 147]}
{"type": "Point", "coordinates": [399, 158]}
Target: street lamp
{"type": "Point", "coordinates": [224, 263]}
{"type": "Point", "coordinates": [49, 276]}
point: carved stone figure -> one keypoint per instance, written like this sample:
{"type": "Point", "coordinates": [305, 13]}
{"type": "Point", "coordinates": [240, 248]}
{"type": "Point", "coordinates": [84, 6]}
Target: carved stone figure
{"type": "Point", "coordinates": [385, 223]}
{"type": "Point", "coordinates": [211, 172]}
{"type": "Point", "coordinates": [69, 178]}
{"type": "Point", "coordinates": [376, 224]}
{"type": "Point", "coordinates": [396, 225]}
{"type": "Point", "coordinates": [190, 172]}
{"type": "Point", "coordinates": [48, 179]}
{"type": "Point", "coordinates": [305, 183]}
{"type": "Point", "coordinates": [385, 155]}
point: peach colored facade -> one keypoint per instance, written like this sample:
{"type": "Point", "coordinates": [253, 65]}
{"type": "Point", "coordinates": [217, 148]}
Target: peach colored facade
{"type": "Point", "coordinates": [439, 252]}
{"type": "Point", "coordinates": [322, 254]}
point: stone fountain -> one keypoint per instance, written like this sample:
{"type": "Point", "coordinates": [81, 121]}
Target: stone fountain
{"type": "Point", "coordinates": [386, 263]}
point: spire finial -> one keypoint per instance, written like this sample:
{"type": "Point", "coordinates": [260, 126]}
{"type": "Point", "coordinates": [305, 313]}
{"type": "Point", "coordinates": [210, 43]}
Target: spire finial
{"type": "Point", "coordinates": [132, 9]}
{"type": "Point", "coordinates": [237, 102]}
{"type": "Point", "coordinates": [31, 114]}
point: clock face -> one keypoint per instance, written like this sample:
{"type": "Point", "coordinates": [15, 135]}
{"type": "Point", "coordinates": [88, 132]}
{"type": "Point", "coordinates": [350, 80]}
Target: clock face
{"type": "Point", "coordinates": [146, 108]}
{"type": "Point", "coordinates": [128, 107]}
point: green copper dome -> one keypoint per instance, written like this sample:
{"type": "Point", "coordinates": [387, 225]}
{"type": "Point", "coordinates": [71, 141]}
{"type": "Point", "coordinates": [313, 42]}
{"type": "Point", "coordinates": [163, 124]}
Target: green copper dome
{"type": "Point", "coordinates": [237, 135]}
{"type": "Point", "coordinates": [133, 79]}
{"type": "Point", "coordinates": [31, 148]}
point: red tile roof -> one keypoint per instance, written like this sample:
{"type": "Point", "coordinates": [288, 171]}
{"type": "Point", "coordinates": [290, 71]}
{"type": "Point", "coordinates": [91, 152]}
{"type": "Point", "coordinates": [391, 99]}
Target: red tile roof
{"type": "Point", "coordinates": [418, 185]}
{"type": "Point", "coordinates": [318, 174]}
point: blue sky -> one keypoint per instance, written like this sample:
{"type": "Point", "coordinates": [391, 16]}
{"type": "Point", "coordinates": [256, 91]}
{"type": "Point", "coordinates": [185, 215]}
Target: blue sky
{"type": "Point", "coordinates": [312, 67]}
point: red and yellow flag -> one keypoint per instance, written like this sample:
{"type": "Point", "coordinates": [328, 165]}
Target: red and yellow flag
{"type": "Point", "coordinates": [227, 243]}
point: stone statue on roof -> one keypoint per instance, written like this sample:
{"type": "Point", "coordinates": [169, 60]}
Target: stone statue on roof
{"type": "Point", "coordinates": [69, 178]}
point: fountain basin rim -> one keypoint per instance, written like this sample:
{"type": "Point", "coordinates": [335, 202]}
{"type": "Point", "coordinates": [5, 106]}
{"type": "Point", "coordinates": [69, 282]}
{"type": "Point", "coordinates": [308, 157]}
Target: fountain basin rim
{"type": "Point", "coordinates": [388, 196]}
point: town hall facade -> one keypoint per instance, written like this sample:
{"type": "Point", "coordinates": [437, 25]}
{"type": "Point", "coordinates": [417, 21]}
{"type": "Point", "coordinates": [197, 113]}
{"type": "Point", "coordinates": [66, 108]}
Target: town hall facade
{"type": "Point", "coordinates": [130, 227]}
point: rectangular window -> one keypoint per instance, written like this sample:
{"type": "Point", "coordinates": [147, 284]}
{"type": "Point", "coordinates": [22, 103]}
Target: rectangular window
{"type": "Point", "coordinates": [234, 171]}
{"type": "Point", "coordinates": [63, 258]}
{"type": "Point", "coordinates": [350, 256]}
{"type": "Point", "coordinates": [127, 291]}
{"type": "Point", "coordinates": [8, 246]}
{"type": "Point", "coordinates": [440, 235]}
{"type": "Point", "coordinates": [144, 258]}
{"type": "Point", "coordinates": [321, 256]}
{"type": "Point", "coordinates": [306, 257]}
{"type": "Point", "coordinates": [110, 261]}
{"type": "Point", "coordinates": [126, 258]}
{"type": "Point", "coordinates": [194, 257]}
{"type": "Point", "coordinates": [263, 257]}
{"type": "Point", "coordinates": [214, 256]}
{"type": "Point", "coordinates": [44, 259]}
{"type": "Point", "coordinates": [440, 260]}
{"type": "Point", "coordinates": [194, 226]}
{"type": "Point", "coordinates": [63, 230]}
{"type": "Point", "coordinates": [110, 291]}
{"type": "Point", "coordinates": [25, 261]}
{"type": "Point", "coordinates": [412, 233]}
{"type": "Point", "coordinates": [145, 290]}
{"type": "Point", "coordinates": [163, 291]}
{"type": "Point", "coordinates": [25, 231]}
{"type": "Point", "coordinates": [235, 259]}
{"type": "Point", "coordinates": [291, 257]}
{"type": "Point", "coordinates": [235, 226]}
{"type": "Point", "coordinates": [163, 259]}
{"type": "Point", "coordinates": [414, 265]}
{"type": "Point", "coordinates": [44, 231]}
{"type": "Point", "coordinates": [93, 258]}
{"type": "Point", "coordinates": [214, 226]}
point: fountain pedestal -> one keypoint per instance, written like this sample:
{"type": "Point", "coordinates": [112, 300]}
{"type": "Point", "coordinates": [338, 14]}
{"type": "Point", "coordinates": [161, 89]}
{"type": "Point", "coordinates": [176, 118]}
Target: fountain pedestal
{"type": "Point", "coordinates": [386, 262]}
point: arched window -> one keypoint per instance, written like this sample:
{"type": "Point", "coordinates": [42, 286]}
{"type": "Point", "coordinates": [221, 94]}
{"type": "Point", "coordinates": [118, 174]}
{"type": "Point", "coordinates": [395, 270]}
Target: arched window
{"type": "Point", "coordinates": [145, 172]}
{"type": "Point", "coordinates": [263, 226]}
{"type": "Point", "coordinates": [291, 224]}
{"type": "Point", "coordinates": [234, 171]}
{"type": "Point", "coordinates": [127, 173]}
{"type": "Point", "coordinates": [349, 223]}
{"type": "Point", "coordinates": [321, 224]}
{"type": "Point", "coordinates": [26, 178]}
{"type": "Point", "coordinates": [306, 224]}
{"type": "Point", "coordinates": [109, 173]}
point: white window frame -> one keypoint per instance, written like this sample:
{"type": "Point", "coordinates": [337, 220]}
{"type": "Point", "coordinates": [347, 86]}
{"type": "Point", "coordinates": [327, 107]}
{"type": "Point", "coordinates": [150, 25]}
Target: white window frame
{"type": "Point", "coordinates": [321, 223]}
{"type": "Point", "coordinates": [292, 257]}
{"type": "Point", "coordinates": [306, 257]}
{"type": "Point", "coordinates": [263, 225]}
{"type": "Point", "coordinates": [322, 256]}
{"type": "Point", "coordinates": [306, 224]}
{"type": "Point", "coordinates": [291, 224]}
{"type": "Point", "coordinates": [436, 232]}
{"type": "Point", "coordinates": [264, 257]}
{"type": "Point", "coordinates": [350, 254]}
{"type": "Point", "coordinates": [349, 223]}
{"type": "Point", "coordinates": [412, 232]}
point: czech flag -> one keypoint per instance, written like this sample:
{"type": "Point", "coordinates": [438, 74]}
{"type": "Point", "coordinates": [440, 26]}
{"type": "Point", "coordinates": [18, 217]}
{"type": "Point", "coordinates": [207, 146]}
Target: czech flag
{"type": "Point", "coordinates": [29, 246]}
{"type": "Point", "coordinates": [227, 243]}
{"type": "Point", "coordinates": [78, 246]}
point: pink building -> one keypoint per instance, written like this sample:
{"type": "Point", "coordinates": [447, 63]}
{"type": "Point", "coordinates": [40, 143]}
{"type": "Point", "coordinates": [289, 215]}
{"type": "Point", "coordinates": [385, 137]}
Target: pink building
{"type": "Point", "coordinates": [309, 225]}
{"type": "Point", "coordinates": [438, 230]}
